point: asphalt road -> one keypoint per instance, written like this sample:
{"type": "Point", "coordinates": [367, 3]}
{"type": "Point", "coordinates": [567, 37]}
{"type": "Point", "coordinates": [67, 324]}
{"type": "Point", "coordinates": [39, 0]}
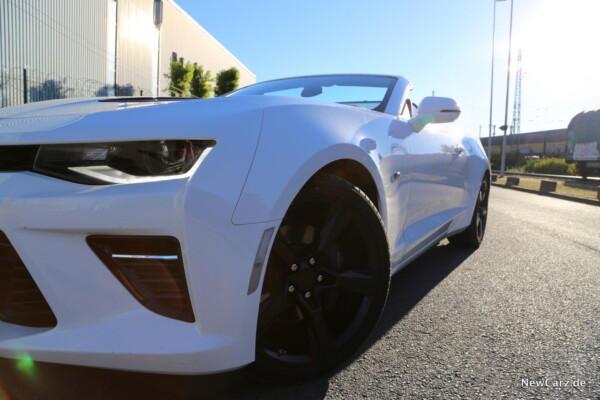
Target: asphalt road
{"type": "Point", "coordinates": [517, 319]}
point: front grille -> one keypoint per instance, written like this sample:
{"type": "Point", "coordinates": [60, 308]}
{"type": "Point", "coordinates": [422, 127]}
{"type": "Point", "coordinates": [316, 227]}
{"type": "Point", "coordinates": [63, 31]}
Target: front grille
{"type": "Point", "coordinates": [21, 301]}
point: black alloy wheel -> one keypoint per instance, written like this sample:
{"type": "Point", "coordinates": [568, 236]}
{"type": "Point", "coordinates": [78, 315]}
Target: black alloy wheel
{"type": "Point", "coordinates": [326, 282]}
{"type": "Point", "coordinates": [473, 235]}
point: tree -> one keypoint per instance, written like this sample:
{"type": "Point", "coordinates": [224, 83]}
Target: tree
{"type": "Point", "coordinates": [180, 79]}
{"type": "Point", "coordinates": [201, 86]}
{"type": "Point", "coordinates": [115, 90]}
{"type": "Point", "coordinates": [227, 80]}
{"type": "Point", "coordinates": [50, 89]}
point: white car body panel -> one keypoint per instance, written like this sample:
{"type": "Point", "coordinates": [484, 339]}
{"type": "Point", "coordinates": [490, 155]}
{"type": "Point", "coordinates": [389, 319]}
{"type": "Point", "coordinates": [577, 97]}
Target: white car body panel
{"type": "Point", "coordinates": [267, 149]}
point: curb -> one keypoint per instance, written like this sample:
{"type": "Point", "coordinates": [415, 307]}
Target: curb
{"type": "Point", "coordinates": [555, 195]}
{"type": "Point", "coordinates": [549, 176]}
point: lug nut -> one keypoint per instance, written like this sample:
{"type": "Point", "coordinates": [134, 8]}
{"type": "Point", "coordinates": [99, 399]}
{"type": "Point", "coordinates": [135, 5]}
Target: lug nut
{"type": "Point", "coordinates": [312, 261]}
{"type": "Point", "coordinates": [307, 295]}
{"type": "Point", "coordinates": [291, 288]}
{"type": "Point", "coordinates": [320, 278]}
{"type": "Point", "coordinates": [294, 267]}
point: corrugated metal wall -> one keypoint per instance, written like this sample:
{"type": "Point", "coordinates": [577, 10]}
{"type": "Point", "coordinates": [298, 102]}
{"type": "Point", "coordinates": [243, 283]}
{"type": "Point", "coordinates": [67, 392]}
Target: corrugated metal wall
{"type": "Point", "coordinates": [137, 46]}
{"type": "Point", "coordinates": [68, 48]}
{"type": "Point", "coordinates": [184, 36]}
{"type": "Point", "coordinates": [61, 43]}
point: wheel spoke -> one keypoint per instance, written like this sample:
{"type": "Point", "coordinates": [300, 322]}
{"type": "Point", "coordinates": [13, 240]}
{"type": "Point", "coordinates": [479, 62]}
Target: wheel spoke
{"type": "Point", "coordinates": [482, 192]}
{"type": "Point", "coordinates": [358, 280]}
{"type": "Point", "coordinates": [481, 204]}
{"type": "Point", "coordinates": [319, 336]}
{"type": "Point", "coordinates": [483, 211]}
{"type": "Point", "coordinates": [270, 310]}
{"type": "Point", "coordinates": [336, 220]}
{"type": "Point", "coordinates": [479, 227]}
{"type": "Point", "coordinates": [284, 251]}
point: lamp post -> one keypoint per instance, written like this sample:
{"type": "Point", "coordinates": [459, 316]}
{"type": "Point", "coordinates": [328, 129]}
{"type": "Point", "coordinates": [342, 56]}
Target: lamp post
{"type": "Point", "coordinates": [505, 126]}
{"type": "Point", "coordinates": [492, 84]}
{"type": "Point", "coordinates": [490, 142]}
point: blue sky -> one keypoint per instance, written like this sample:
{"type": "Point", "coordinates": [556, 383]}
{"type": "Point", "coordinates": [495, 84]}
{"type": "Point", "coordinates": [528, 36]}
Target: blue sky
{"type": "Point", "coordinates": [439, 45]}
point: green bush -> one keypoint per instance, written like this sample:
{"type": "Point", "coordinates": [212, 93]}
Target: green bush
{"type": "Point", "coordinates": [201, 83]}
{"type": "Point", "coordinates": [180, 79]}
{"type": "Point", "coordinates": [513, 160]}
{"type": "Point", "coordinates": [552, 166]}
{"type": "Point", "coordinates": [227, 81]}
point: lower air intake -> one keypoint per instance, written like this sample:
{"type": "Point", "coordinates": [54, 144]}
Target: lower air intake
{"type": "Point", "coordinates": [21, 301]}
{"type": "Point", "coordinates": [151, 269]}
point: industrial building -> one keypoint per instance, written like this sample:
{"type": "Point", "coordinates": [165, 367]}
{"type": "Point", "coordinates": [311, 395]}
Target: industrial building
{"type": "Point", "coordinates": [71, 48]}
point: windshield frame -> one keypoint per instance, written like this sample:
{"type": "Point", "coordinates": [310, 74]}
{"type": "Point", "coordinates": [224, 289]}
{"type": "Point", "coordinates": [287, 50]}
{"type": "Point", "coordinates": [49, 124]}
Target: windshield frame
{"type": "Point", "coordinates": [391, 85]}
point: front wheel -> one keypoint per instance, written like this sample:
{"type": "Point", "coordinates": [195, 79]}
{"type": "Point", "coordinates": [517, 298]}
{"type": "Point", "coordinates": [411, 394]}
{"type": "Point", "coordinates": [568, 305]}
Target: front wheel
{"type": "Point", "coordinates": [326, 282]}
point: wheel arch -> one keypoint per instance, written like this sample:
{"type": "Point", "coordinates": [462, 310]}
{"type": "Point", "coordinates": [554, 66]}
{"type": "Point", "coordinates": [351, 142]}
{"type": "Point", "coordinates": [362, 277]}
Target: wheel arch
{"type": "Point", "coordinates": [345, 160]}
{"type": "Point", "coordinates": [355, 173]}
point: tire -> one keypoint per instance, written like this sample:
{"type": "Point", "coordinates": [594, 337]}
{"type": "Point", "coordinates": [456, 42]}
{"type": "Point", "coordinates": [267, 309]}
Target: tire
{"type": "Point", "coordinates": [325, 285]}
{"type": "Point", "coordinates": [473, 235]}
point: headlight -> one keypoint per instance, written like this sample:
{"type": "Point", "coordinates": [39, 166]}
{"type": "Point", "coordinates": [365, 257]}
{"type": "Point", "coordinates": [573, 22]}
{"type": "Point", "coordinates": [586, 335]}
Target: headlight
{"type": "Point", "coordinates": [122, 162]}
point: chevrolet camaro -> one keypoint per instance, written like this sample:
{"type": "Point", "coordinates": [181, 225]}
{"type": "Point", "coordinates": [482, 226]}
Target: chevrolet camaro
{"type": "Point", "coordinates": [193, 236]}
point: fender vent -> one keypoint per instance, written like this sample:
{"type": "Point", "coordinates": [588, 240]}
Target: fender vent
{"type": "Point", "coordinates": [21, 301]}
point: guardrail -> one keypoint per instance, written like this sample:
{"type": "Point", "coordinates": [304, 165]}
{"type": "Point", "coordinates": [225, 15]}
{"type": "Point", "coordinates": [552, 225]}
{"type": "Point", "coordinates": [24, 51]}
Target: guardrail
{"type": "Point", "coordinates": [569, 177]}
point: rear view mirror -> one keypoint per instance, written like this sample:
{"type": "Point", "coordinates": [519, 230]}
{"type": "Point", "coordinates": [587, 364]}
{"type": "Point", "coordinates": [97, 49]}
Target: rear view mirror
{"type": "Point", "coordinates": [311, 91]}
{"type": "Point", "coordinates": [435, 110]}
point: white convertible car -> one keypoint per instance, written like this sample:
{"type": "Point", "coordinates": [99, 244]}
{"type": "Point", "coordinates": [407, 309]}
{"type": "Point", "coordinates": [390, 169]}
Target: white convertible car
{"type": "Point", "coordinates": [196, 236]}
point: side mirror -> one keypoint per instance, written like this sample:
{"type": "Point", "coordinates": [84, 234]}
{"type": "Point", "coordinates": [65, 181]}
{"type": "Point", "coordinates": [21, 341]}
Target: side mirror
{"type": "Point", "coordinates": [435, 110]}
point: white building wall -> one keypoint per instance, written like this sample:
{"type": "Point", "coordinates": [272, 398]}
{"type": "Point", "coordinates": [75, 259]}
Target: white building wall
{"type": "Point", "coordinates": [137, 47]}
{"type": "Point", "coordinates": [183, 35]}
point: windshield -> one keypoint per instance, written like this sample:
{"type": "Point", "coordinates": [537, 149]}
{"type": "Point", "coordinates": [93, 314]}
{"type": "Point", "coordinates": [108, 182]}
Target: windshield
{"type": "Point", "coordinates": [371, 92]}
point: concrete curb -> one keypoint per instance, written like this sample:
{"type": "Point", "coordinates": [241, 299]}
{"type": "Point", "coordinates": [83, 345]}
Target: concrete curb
{"type": "Point", "coordinates": [555, 195]}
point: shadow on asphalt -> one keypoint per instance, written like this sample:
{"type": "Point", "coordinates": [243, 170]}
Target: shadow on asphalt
{"type": "Point", "coordinates": [416, 280]}
{"type": "Point", "coordinates": [53, 381]}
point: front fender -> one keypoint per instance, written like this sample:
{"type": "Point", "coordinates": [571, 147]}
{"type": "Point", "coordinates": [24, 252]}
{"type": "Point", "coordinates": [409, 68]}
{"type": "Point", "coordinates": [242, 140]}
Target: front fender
{"type": "Point", "coordinates": [290, 151]}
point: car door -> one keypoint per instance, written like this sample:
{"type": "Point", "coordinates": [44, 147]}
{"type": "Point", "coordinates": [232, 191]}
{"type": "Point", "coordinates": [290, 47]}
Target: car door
{"type": "Point", "coordinates": [395, 170]}
{"type": "Point", "coordinates": [436, 187]}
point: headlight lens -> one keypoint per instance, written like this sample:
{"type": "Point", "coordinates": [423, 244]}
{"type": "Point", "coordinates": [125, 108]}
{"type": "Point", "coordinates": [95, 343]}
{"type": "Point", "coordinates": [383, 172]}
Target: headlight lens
{"type": "Point", "coordinates": [122, 162]}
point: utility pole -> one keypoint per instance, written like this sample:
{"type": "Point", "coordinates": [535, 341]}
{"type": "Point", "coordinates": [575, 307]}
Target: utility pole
{"type": "Point", "coordinates": [490, 142]}
{"type": "Point", "coordinates": [505, 126]}
{"type": "Point", "coordinates": [25, 88]}
{"type": "Point", "coordinates": [492, 82]}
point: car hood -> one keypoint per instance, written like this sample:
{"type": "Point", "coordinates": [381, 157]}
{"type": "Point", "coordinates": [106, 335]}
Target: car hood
{"type": "Point", "coordinates": [84, 120]}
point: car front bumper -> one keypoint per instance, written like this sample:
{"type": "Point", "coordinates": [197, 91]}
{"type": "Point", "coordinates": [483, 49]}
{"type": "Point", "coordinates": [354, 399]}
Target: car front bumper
{"type": "Point", "coordinates": [99, 323]}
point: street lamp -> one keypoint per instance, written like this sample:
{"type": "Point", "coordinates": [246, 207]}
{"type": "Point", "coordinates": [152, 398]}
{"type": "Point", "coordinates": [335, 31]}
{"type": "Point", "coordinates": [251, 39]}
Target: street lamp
{"type": "Point", "coordinates": [492, 85]}
{"type": "Point", "coordinates": [503, 162]}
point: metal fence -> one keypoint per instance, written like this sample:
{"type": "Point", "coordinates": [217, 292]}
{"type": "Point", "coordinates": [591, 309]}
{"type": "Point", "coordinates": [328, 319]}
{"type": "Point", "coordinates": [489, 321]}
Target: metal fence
{"type": "Point", "coordinates": [27, 85]}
